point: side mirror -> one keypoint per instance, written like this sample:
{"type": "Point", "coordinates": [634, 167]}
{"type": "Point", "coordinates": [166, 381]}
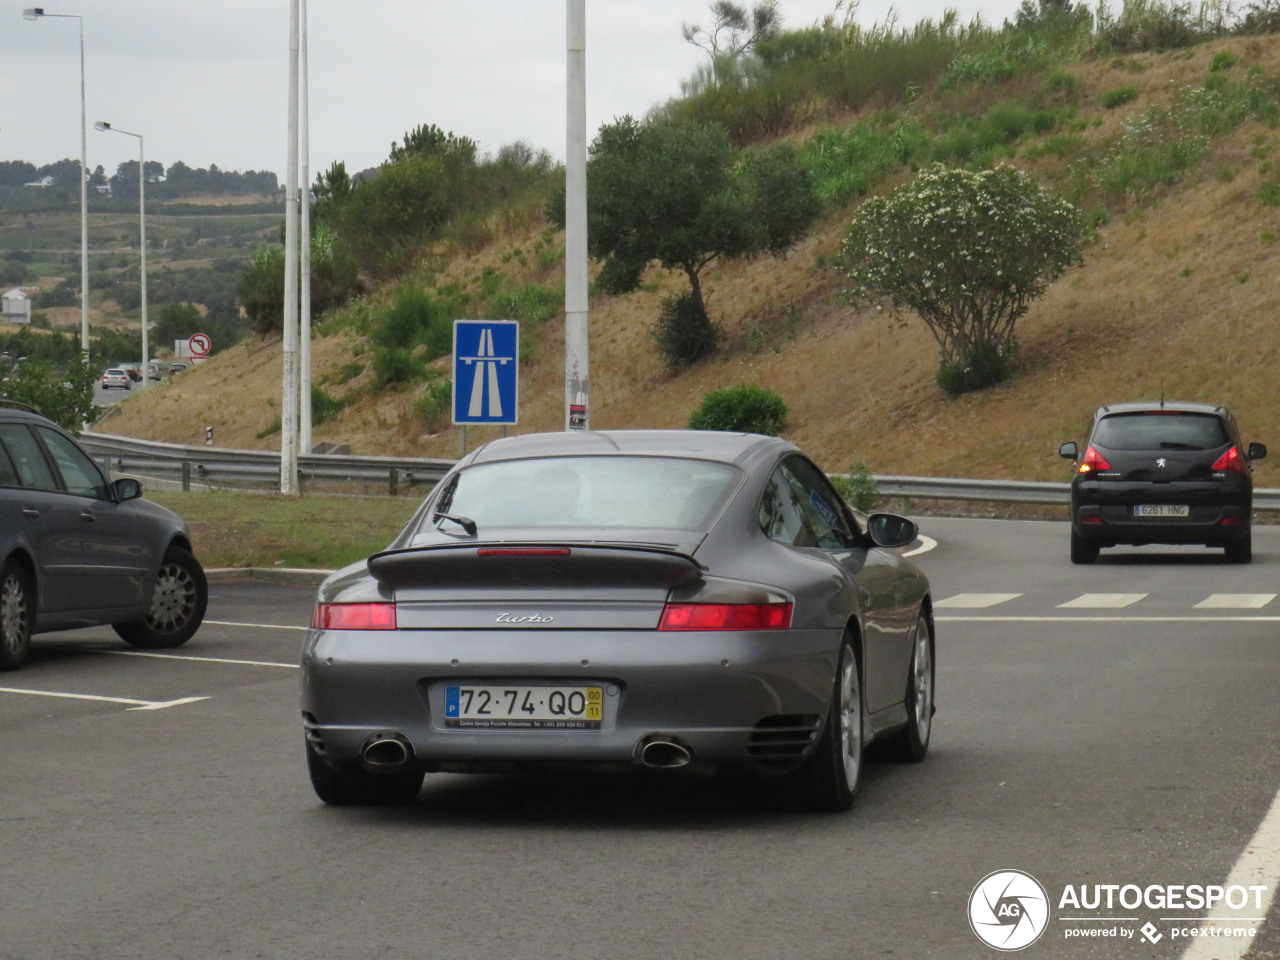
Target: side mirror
{"type": "Point", "coordinates": [127, 488]}
{"type": "Point", "coordinates": [1068, 451]}
{"type": "Point", "coordinates": [890, 530]}
{"type": "Point", "coordinates": [1257, 451]}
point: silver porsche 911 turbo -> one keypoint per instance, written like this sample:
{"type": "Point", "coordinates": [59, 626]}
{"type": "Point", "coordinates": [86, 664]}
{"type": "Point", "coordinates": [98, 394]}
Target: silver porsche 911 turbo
{"type": "Point", "coordinates": [654, 598]}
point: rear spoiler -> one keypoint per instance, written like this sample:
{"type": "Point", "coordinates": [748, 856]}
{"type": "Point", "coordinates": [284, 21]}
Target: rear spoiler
{"type": "Point", "coordinates": [530, 564]}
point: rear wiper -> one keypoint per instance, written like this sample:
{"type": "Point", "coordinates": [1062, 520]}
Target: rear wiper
{"type": "Point", "coordinates": [466, 523]}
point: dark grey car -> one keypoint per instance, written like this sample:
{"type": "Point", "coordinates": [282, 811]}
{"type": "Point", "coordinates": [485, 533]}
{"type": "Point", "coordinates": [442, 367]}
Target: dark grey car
{"type": "Point", "coordinates": [78, 550]}
{"type": "Point", "coordinates": [651, 598]}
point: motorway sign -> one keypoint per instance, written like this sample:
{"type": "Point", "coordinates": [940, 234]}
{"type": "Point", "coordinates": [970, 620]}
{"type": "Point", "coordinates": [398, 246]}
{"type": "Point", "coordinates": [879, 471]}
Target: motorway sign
{"type": "Point", "coordinates": [486, 371]}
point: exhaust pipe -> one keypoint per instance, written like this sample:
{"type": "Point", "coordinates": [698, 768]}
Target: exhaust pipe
{"type": "Point", "coordinates": [661, 751]}
{"type": "Point", "coordinates": [383, 751]}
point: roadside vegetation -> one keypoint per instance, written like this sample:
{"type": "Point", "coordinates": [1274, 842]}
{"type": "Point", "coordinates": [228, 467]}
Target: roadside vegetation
{"type": "Point", "coordinates": [1156, 122]}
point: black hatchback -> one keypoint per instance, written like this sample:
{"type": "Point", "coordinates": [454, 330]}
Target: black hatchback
{"type": "Point", "coordinates": [1162, 472]}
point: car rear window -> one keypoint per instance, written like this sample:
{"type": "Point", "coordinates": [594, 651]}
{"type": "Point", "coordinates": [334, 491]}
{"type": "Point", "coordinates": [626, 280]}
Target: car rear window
{"type": "Point", "coordinates": [644, 492]}
{"type": "Point", "coordinates": [1164, 430]}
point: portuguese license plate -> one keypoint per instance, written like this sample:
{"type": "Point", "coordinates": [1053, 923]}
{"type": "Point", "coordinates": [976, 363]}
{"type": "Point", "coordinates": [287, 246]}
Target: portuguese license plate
{"type": "Point", "coordinates": [515, 707]}
{"type": "Point", "coordinates": [1161, 510]}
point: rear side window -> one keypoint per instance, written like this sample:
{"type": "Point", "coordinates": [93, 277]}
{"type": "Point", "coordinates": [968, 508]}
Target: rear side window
{"type": "Point", "coordinates": [8, 474]}
{"type": "Point", "coordinates": [1165, 430]}
{"type": "Point", "coordinates": [28, 460]}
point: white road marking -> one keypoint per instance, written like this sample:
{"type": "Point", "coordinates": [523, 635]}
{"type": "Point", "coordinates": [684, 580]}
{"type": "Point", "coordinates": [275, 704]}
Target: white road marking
{"type": "Point", "coordinates": [1107, 601]}
{"type": "Point", "coordinates": [1255, 867]}
{"type": "Point", "coordinates": [926, 544]}
{"type": "Point", "coordinates": [256, 626]}
{"type": "Point", "coordinates": [1228, 601]}
{"type": "Point", "coordinates": [178, 656]}
{"type": "Point", "coordinates": [973, 601]}
{"type": "Point", "coordinates": [137, 704]}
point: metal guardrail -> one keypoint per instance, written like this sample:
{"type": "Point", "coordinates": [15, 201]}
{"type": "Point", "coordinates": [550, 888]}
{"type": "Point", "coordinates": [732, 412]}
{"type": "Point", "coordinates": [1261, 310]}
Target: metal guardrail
{"type": "Point", "coordinates": [225, 467]}
{"type": "Point", "coordinates": [218, 466]}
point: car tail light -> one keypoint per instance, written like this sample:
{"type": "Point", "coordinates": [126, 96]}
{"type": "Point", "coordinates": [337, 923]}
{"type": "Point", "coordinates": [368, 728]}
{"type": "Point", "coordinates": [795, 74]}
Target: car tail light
{"type": "Point", "coordinates": [1230, 462]}
{"type": "Point", "coordinates": [1093, 461]}
{"type": "Point", "coordinates": [354, 616]}
{"type": "Point", "coordinates": [726, 616]}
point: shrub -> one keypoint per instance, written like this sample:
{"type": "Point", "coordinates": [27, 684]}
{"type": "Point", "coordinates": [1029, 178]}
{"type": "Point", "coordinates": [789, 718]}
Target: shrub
{"type": "Point", "coordinates": [1119, 96]}
{"type": "Point", "coordinates": [741, 409]}
{"type": "Point", "coordinates": [859, 488]}
{"type": "Point", "coordinates": [395, 365]}
{"type": "Point", "coordinates": [323, 406]}
{"type": "Point", "coordinates": [684, 332]}
{"type": "Point", "coordinates": [417, 318]}
{"type": "Point", "coordinates": [1222, 60]}
{"type": "Point", "coordinates": [434, 401]}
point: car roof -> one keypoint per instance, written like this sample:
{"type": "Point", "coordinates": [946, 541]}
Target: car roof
{"type": "Point", "coordinates": [11, 410]}
{"type": "Point", "coordinates": [697, 444]}
{"type": "Point", "coordinates": [1174, 406]}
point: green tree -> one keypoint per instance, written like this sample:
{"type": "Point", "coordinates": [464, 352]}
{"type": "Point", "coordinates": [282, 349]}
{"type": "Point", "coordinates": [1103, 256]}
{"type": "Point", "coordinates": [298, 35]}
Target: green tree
{"type": "Point", "coordinates": [66, 399]}
{"type": "Point", "coordinates": [734, 30]}
{"type": "Point", "coordinates": [683, 195]}
{"type": "Point", "coordinates": [261, 289]}
{"type": "Point", "coordinates": [967, 251]}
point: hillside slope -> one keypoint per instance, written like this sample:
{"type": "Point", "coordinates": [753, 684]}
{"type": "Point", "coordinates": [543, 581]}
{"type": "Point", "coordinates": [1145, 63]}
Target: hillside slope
{"type": "Point", "coordinates": [1177, 297]}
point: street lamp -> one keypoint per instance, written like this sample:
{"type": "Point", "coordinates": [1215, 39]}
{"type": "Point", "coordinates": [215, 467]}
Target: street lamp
{"type": "Point", "coordinates": [142, 235]}
{"type": "Point", "coordinates": [35, 13]}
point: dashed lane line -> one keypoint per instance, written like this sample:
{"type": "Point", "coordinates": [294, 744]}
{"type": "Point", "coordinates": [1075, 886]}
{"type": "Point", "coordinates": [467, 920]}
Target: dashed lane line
{"type": "Point", "coordinates": [180, 656]}
{"type": "Point", "coordinates": [1105, 601]}
{"type": "Point", "coordinates": [1229, 601]}
{"type": "Point", "coordinates": [974, 601]}
{"type": "Point", "coordinates": [136, 704]}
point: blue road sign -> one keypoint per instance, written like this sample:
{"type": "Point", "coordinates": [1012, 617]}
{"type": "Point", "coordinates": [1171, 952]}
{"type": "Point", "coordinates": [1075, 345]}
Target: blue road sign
{"type": "Point", "coordinates": [486, 375]}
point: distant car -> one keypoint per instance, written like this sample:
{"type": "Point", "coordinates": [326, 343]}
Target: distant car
{"type": "Point", "coordinates": [177, 368]}
{"type": "Point", "coordinates": [77, 549]}
{"type": "Point", "coordinates": [647, 598]}
{"type": "Point", "coordinates": [131, 369]}
{"type": "Point", "coordinates": [1163, 472]}
{"type": "Point", "coordinates": [153, 372]}
{"type": "Point", "coordinates": [116, 378]}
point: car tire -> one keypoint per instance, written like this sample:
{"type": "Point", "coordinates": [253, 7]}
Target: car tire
{"type": "Point", "coordinates": [355, 787]}
{"type": "Point", "coordinates": [828, 779]}
{"type": "Point", "coordinates": [17, 615]}
{"type": "Point", "coordinates": [178, 604]}
{"type": "Point", "coordinates": [1082, 550]}
{"type": "Point", "coordinates": [911, 743]}
{"type": "Point", "coordinates": [1241, 551]}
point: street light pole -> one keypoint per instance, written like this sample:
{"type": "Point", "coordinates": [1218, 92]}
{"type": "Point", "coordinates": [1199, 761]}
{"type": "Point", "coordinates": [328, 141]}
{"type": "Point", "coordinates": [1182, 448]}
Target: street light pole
{"type": "Point", "coordinates": [35, 13]}
{"type": "Point", "coordinates": [577, 379]}
{"type": "Point", "coordinates": [289, 391]}
{"type": "Point", "coordinates": [142, 236]}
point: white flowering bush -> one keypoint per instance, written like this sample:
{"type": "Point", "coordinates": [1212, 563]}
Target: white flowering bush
{"type": "Point", "coordinates": [968, 252]}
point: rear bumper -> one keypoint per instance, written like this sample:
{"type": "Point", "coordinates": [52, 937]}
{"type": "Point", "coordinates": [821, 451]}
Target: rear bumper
{"type": "Point", "coordinates": [1218, 513]}
{"type": "Point", "coordinates": [723, 695]}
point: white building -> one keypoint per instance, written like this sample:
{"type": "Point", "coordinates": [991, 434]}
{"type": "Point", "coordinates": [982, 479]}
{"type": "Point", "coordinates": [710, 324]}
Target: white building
{"type": "Point", "coordinates": [16, 306]}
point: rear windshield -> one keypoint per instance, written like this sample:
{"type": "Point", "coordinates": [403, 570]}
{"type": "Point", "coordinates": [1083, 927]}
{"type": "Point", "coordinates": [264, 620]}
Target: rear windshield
{"type": "Point", "coordinates": [647, 492]}
{"type": "Point", "coordinates": [1166, 430]}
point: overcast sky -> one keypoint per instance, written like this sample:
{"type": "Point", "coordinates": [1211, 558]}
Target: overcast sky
{"type": "Point", "coordinates": [206, 81]}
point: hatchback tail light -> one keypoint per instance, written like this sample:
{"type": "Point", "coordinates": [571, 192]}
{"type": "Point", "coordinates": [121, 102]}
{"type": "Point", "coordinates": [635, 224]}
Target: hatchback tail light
{"type": "Point", "coordinates": [354, 616]}
{"type": "Point", "coordinates": [1093, 461]}
{"type": "Point", "coordinates": [726, 616]}
{"type": "Point", "coordinates": [1230, 462]}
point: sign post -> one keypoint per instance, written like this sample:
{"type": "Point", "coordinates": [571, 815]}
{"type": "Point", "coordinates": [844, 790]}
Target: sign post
{"type": "Point", "coordinates": [486, 373]}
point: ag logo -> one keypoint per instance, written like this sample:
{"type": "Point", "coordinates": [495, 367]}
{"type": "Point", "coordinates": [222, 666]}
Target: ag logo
{"type": "Point", "coordinates": [1008, 910]}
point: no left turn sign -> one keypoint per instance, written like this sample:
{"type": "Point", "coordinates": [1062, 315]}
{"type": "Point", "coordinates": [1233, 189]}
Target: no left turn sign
{"type": "Point", "coordinates": [199, 344]}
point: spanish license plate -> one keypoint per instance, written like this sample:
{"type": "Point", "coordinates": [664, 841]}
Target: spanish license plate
{"type": "Point", "coordinates": [514, 707]}
{"type": "Point", "coordinates": [1161, 510]}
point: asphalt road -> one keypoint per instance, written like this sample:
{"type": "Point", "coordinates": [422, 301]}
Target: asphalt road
{"type": "Point", "coordinates": [1083, 744]}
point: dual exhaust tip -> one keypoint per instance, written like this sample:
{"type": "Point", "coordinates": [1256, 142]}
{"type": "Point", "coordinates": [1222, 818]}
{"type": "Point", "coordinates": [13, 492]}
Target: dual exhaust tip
{"type": "Point", "coordinates": [387, 750]}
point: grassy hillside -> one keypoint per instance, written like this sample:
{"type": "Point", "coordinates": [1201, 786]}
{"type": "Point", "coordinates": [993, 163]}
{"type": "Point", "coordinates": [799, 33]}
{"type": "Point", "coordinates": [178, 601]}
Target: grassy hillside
{"type": "Point", "coordinates": [1177, 294]}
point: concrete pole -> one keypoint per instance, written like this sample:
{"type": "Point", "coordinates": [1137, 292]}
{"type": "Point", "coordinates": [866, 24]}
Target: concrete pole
{"type": "Point", "coordinates": [289, 390]}
{"type": "Point", "coordinates": [84, 211]}
{"type": "Point", "coordinates": [142, 243]}
{"type": "Point", "coordinates": [304, 337]}
{"type": "Point", "coordinates": [576, 372]}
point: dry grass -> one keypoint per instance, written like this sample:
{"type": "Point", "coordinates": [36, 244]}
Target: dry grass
{"type": "Point", "coordinates": [1176, 298]}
